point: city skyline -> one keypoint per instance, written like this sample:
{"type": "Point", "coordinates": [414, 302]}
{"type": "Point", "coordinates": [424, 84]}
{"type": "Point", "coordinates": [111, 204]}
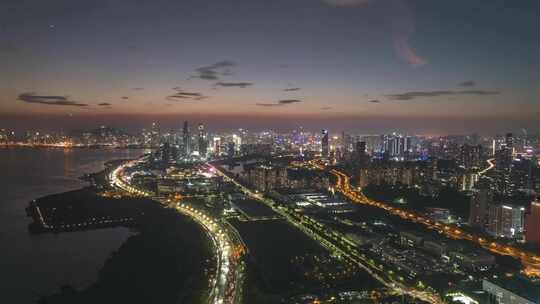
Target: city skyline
{"type": "Point", "coordinates": [378, 65]}
{"type": "Point", "coordinates": [257, 151]}
{"type": "Point", "coordinates": [131, 123]}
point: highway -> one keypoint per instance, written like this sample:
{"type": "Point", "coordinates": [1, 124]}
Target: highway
{"type": "Point", "coordinates": [337, 243]}
{"type": "Point", "coordinates": [228, 248]}
{"type": "Point", "coordinates": [228, 254]}
{"type": "Point", "coordinates": [530, 261]}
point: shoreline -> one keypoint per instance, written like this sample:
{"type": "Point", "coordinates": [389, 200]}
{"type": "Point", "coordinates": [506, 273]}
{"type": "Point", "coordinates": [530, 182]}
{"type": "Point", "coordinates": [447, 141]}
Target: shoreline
{"type": "Point", "coordinates": [154, 228]}
{"type": "Point", "coordinates": [61, 147]}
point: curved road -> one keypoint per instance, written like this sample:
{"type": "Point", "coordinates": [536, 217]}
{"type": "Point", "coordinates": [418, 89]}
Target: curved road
{"type": "Point", "coordinates": [491, 165]}
{"type": "Point", "coordinates": [226, 284]}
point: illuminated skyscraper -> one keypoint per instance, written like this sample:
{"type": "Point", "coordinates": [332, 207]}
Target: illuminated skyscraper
{"type": "Point", "coordinates": [506, 220]}
{"type": "Point", "coordinates": [503, 157]}
{"type": "Point", "coordinates": [504, 166]}
{"type": "Point", "coordinates": [360, 148]}
{"type": "Point", "coordinates": [478, 214]}
{"type": "Point", "coordinates": [202, 143]}
{"type": "Point", "coordinates": [470, 156]}
{"type": "Point", "coordinates": [395, 145]}
{"type": "Point", "coordinates": [155, 135]}
{"type": "Point", "coordinates": [217, 146]}
{"type": "Point", "coordinates": [347, 143]}
{"type": "Point", "coordinates": [324, 144]}
{"type": "Point", "coordinates": [237, 140]}
{"type": "Point", "coordinates": [407, 146]}
{"type": "Point", "coordinates": [186, 139]}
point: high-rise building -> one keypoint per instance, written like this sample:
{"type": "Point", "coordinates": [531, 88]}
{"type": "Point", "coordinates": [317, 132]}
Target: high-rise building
{"type": "Point", "coordinates": [503, 156]}
{"type": "Point", "coordinates": [231, 151]}
{"type": "Point", "coordinates": [217, 146]}
{"type": "Point", "coordinates": [498, 293]}
{"type": "Point", "coordinates": [506, 220]}
{"type": "Point", "coordinates": [504, 166]}
{"type": "Point", "coordinates": [165, 153]}
{"type": "Point", "coordinates": [532, 224]}
{"type": "Point", "coordinates": [467, 181]}
{"type": "Point", "coordinates": [202, 143]}
{"type": "Point", "coordinates": [478, 214]}
{"type": "Point", "coordinates": [361, 156]}
{"type": "Point", "coordinates": [503, 159]}
{"type": "Point", "coordinates": [346, 140]}
{"type": "Point", "coordinates": [396, 145]}
{"type": "Point", "coordinates": [186, 139]}
{"type": "Point", "coordinates": [470, 156]}
{"type": "Point", "coordinates": [509, 141]}
{"type": "Point", "coordinates": [522, 176]}
{"type": "Point", "coordinates": [360, 148]}
{"type": "Point", "coordinates": [155, 135]}
{"type": "Point", "coordinates": [407, 146]}
{"type": "Point", "coordinates": [237, 141]}
{"type": "Point", "coordinates": [324, 144]}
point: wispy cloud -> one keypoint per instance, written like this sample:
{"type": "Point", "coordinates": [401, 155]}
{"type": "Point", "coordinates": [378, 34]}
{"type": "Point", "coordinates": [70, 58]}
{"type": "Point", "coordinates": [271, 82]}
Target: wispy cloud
{"type": "Point", "coordinates": [181, 94]}
{"type": "Point", "coordinates": [326, 108]}
{"type": "Point", "coordinates": [51, 100]}
{"type": "Point", "coordinates": [406, 52]}
{"type": "Point", "coordinates": [213, 71]}
{"type": "Point", "coordinates": [177, 96]}
{"type": "Point", "coordinates": [468, 83]}
{"type": "Point", "coordinates": [374, 101]}
{"type": "Point", "coordinates": [291, 89]}
{"type": "Point", "coordinates": [422, 94]}
{"type": "Point", "coordinates": [279, 103]}
{"type": "Point", "coordinates": [138, 89]}
{"type": "Point", "coordinates": [234, 84]}
{"type": "Point", "coordinates": [104, 104]}
{"type": "Point", "coordinates": [189, 94]}
{"type": "Point", "coordinates": [268, 104]}
{"type": "Point", "coordinates": [125, 97]}
{"type": "Point", "coordinates": [479, 92]}
{"type": "Point", "coordinates": [289, 101]}
{"type": "Point", "coordinates": [400, 18]}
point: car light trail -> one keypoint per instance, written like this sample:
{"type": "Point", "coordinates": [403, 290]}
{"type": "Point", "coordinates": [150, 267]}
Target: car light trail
{"type": "Point", "coordinates": [229, 271]}
{"type": "Point", "coordinates": [491, 165]}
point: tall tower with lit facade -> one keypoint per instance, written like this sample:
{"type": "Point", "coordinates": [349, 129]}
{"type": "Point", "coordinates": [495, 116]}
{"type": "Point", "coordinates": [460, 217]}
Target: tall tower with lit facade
{"type": "Point", "coordinates": [155, 135]}
{"type": "Point", "coordinates": [324, 144]}
{"type": "Point", "coordinates": [202, 142]}
{"type": "Point", "coordinates": [186, 139]}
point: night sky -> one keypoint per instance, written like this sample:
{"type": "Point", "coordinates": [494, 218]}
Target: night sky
{"type": "Point", "coordinates": [424, 66]}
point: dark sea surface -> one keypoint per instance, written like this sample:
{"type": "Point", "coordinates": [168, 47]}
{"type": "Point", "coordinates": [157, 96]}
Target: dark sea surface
{"type": "Point", "coordinates": [35, 265]}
